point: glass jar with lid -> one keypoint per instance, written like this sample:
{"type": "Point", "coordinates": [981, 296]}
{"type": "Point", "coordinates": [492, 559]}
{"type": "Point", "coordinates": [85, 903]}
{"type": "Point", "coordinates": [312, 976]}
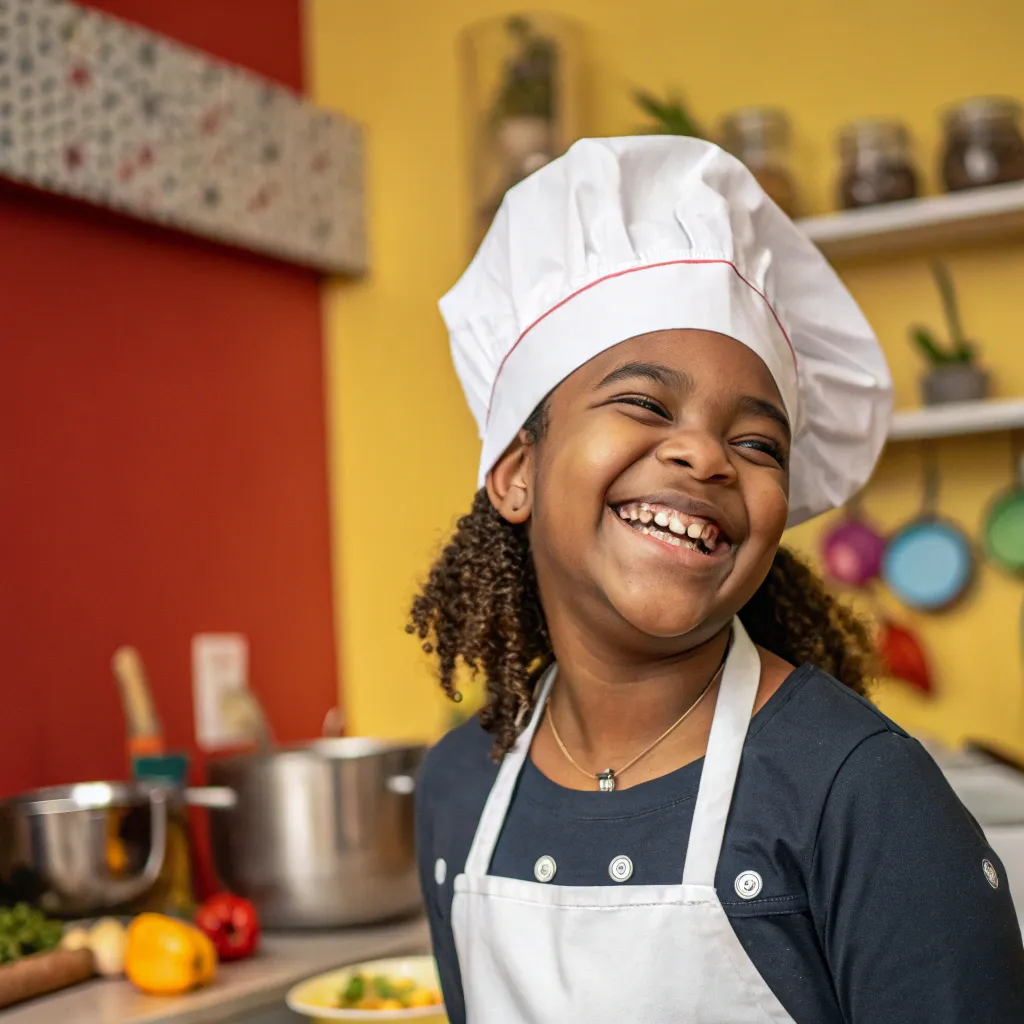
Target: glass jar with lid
{"type": "Point", "coordinates": [523, 78]}
{"type": "Point", "coordinates": [877, 165]}
{"type": "Point", "coordinates": [760, 137]}
{"type": "Point", "coordinates": [984, 145]}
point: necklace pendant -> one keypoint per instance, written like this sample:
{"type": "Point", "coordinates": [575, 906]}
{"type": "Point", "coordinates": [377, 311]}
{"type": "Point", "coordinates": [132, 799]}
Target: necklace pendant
{"type": "Point", "coordinates": [606, 781]}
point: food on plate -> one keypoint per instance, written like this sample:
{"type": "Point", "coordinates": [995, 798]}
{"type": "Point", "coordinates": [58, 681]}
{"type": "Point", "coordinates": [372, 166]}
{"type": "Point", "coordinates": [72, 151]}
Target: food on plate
{"type": "Point", "coordinates": [165, 956]}
{"type": "Point", "coordinates": [231, 925]}
{"type": "Point", "coordinates": [25, 930]}
{"type": "Point", "coordinates": [384, 992]}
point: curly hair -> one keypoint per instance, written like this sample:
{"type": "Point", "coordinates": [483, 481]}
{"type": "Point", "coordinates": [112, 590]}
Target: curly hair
{"type": "Point", "coordinates": [480, 605]}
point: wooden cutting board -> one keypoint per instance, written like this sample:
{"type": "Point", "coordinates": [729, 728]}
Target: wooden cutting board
{"type": "Point", "coordinates": [41, 973]}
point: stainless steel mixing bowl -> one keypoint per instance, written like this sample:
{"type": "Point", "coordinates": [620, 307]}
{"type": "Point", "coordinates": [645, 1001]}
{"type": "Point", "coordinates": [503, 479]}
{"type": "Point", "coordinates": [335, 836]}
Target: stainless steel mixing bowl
{"type": "Point", "coordinates": [55, 846]}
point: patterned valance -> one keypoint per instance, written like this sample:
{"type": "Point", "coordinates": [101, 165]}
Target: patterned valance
{"type": "Point", "coordinates": [101, 110]}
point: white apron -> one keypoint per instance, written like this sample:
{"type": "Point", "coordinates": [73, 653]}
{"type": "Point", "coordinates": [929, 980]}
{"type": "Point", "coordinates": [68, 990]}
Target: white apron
{"type": "Point", "coordinates": [541, 953]}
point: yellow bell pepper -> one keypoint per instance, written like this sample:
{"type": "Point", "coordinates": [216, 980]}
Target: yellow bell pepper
{"type": "Point", "coordinates": [165, 956]}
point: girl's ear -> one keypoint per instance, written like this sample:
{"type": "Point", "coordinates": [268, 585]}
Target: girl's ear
{"type": "Point", "coordinates": [510, 483]}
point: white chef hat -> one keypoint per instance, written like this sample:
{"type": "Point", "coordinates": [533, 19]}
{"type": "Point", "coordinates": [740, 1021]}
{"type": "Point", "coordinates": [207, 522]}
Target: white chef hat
{"type": "Point", "coordinates": [620, 237]}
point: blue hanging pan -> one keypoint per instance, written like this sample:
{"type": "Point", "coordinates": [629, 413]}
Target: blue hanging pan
{"type": "Point", "coordinates": [929, 563]}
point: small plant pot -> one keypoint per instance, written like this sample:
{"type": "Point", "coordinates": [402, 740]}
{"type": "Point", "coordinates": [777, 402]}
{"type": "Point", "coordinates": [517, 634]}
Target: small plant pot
{"type": "Point", "coordinates": [526, 143]}
{"type": "Point", "coordinates": [954, 384]}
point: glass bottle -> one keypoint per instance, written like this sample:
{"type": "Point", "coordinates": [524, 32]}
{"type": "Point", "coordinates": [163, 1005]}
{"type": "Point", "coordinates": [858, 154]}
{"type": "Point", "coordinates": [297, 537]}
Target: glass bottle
{"type": "Point", "coordinates": [760, 137]}
{"type": "Point", "coordinates": [521, 78]}
{"type": "Point", "coordinates": [984, 145]}
{"type": "Point", "coordinates": [877, 166]}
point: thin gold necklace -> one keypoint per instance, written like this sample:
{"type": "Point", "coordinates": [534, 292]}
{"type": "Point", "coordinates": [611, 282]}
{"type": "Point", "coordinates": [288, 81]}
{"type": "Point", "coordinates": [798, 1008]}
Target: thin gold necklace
{"type": "Point", "coordinates": [606, 780]}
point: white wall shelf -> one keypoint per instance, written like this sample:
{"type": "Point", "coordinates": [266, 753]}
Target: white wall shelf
{"type": "Point", "coordinates": [962, 218]}
{"type": "Point", "coordinates": [957, 418]}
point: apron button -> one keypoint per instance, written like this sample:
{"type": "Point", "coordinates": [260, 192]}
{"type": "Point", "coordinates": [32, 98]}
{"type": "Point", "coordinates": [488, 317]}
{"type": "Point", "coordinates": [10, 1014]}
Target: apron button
{"type": "Point", "coordinates": [621, 869]}
{"type": "Point", "coordinates": [991, 875]}
{"type": "Point", "coordinates": [748, 885]}
{"type": "Point", "coordinates": [545, 868]}
{"type": "Point", "coordinates": [440, 871]}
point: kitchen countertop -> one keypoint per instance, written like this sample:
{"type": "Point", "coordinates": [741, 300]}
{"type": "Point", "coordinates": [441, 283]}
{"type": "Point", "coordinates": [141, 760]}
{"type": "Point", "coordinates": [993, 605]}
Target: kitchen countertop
{"type": "Point", "coordinates": [249, 985]}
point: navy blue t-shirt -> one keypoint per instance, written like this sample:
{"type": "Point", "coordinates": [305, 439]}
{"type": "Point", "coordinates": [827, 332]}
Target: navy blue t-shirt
{"type": "Point", "coordinates": [875, 905]}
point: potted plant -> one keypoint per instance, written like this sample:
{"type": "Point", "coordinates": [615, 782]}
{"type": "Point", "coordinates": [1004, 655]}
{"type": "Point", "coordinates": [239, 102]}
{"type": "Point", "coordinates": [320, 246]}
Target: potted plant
{"type": "Point", "coordinates": [668, 117]}
{"type": "Point", "coordinates": [524, 108]}
{"type": "Point", "coordinates": [953, 374]}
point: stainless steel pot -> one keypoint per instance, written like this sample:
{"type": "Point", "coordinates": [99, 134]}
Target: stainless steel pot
{"type": "Point", "coordinates": [319, 835]}
{"type": "Point", "coordinates": [55, 845]}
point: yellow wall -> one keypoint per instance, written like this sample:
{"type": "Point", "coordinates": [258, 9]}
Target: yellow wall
{"type": "Point", "coordinates": [403, 444]}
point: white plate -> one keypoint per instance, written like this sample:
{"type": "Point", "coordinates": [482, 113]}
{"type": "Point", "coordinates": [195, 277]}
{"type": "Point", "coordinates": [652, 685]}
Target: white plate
{"type": "Point", "coordinates": [317, 997]}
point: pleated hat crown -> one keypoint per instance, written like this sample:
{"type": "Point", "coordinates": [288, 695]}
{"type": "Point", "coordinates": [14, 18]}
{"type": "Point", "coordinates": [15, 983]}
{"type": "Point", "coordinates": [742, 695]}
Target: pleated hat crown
{"type": "Point", "coordinates": [621, 237]}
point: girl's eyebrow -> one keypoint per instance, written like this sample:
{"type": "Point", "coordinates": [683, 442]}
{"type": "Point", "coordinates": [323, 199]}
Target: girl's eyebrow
{"type": "Point", "coordinates": [654, 372]}
{"type": "Point", "coordinates": [761, 407]}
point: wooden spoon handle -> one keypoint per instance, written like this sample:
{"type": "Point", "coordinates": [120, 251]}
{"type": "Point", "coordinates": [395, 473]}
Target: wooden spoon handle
{"type": "Point", "coordinates": [44, 972]}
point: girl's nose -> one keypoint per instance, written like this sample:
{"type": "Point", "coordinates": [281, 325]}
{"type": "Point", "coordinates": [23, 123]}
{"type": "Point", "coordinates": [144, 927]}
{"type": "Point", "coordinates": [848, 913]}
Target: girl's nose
{"type": "Point", "coordinates": [703, 455]}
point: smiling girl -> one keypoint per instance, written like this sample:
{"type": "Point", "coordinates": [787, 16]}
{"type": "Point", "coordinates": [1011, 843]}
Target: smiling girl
{"type": "Point", "coordinates": [676, 806]}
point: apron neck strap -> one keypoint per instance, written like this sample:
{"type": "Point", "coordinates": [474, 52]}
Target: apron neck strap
{"type": "Point", "coordinates": [489, 829]}
{"type": "Point", "coordinates": [733, 708]}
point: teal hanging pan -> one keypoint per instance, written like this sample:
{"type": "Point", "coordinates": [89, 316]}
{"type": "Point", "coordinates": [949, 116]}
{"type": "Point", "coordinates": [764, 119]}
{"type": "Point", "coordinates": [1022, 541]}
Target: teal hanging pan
{"type": "Point", "coordinates": [929, 563]}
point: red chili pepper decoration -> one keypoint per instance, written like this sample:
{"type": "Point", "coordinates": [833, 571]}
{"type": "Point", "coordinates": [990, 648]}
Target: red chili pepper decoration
{"type": "Point", "coordinates": [231, 925]}
{"type": "Point", "coordinates": [904, 657]}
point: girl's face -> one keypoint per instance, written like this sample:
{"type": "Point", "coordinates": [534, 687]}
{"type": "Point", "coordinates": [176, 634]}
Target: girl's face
{"type": "Point", "coordinates": [657, 497]}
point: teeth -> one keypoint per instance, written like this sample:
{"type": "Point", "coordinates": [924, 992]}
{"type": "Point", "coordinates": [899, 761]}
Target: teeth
{"type": "Point", "coordinates": [669, 538]}
{"type": "Point", "coordinates": [666, 537]}
{"type": "Point", "coordinates": [664, 524]}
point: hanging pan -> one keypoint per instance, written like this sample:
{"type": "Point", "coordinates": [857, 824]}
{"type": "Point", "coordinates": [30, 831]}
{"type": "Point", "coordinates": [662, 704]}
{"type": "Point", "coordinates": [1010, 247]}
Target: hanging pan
{"type": "Point", "coordinates": [852, 549]}
{"type": "Point", "coordinates": [929, 563]}
{"type": "Point", "coordinates": [1004, 521]}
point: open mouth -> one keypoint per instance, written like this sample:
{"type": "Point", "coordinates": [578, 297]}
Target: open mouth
{"type": "Point", "coordinates": [669, 525]}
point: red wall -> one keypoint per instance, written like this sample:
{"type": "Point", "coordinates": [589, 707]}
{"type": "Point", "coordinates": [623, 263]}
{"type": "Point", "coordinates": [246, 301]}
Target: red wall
{"type": "Point", "coordinates": [162, 456]}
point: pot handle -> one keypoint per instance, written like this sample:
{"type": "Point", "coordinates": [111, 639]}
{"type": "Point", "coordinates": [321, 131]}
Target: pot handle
{"type": "Point", "coordinates": [401, 785]}
{"type": "Point", "coordinates": [214, 798]}
{"type": "Point", "coordinates": [124, 891]}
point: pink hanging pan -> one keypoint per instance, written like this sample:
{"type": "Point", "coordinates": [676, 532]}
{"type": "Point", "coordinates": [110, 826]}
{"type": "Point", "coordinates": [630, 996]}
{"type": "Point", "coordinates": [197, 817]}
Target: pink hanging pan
{"type": "Point", "coordinates": [852, 549]}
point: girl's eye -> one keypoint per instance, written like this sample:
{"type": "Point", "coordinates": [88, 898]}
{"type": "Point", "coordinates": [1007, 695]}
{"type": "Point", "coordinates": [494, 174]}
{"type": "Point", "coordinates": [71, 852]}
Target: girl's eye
{"type": "Point", "coordinates": [767, 447]}
{"type": "Point", "coordinates": [642, 402]}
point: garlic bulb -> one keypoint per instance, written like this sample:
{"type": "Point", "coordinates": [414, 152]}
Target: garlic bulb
{"type": "Point", "coordinates": [107, 940]}
{"type": "Point", "coordinates": [75, 938]}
